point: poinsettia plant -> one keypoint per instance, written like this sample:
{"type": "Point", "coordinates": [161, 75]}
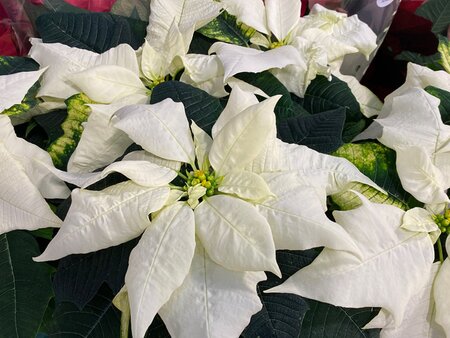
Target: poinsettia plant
{"type": "Point", "coordinates": [201, 168]}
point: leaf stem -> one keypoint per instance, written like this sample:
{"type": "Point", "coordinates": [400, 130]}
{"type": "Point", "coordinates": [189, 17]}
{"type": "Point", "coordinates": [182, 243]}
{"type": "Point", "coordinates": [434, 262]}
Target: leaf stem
{"type": "Point", "coordinates": [440, 251]}
{"type": "Point", "coordinates": [125, 322]}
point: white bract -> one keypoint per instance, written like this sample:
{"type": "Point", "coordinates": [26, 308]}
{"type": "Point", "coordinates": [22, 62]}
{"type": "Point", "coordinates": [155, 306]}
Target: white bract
{"type": "Point", "coordinates": [412, 125]}
{"type": "Point", "coordinates": [24, 183]}
{"type": "Point", "coordinates": [238, 193]}
{"type": "Point", "coordinates": [394, 267]}
{"type": "Point", "coordinates": [104, 78]}
{"type": "Point", "coordinates": [14, 87]}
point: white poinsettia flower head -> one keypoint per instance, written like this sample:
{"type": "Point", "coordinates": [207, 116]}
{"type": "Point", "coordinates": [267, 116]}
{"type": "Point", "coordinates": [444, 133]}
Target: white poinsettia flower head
{"type": "Point", "coordinates": [201, 201]}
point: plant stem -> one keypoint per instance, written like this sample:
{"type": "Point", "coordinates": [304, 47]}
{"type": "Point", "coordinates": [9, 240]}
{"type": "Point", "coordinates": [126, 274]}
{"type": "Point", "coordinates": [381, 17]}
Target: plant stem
{"type": "Point", "coordinates": [440, 251]}
{"type": "Point", "coordinates": [125, 322]}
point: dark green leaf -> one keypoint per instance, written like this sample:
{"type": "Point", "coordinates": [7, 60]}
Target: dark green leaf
{"type": "Point", "coordinates": [96, 32]}
{"type": "Point", "coordinates": [323, 95]}
{"type": "Point", "coordinates": [270, 85]}
{"type": "Point", "coordinates": [200, 107]}
{"type": "Point", "coordinates": [378, 163]}
{"type": "Point", "coordinates": [46, 233]}
{"type": "Point", "coordinates": [51, 123]}
{"type": "Point", "coordinates": [25, 286]}
{"type": "Point", "coordinates": [352, 129]}
{"type": "Point", "coordinates": [438, 12]}
{"type": "Point", "coordinates": [321, 132]}
{"type": "Point", "coordinates": [15, 64]}
{"type": "Point", "coordinates": [430, 61]}
{"type": "Point", "coordinates": [282, 314]}
{"type": "Point", "coordinates": [157, 329]}
{"type": "Point", "coordinates": [323, 320]}
{"type": "Point", "coordinates": [225, 28]}
{"type": "Point", "coordinates": [200, 44]}
{"type": "Point", "coordinates": [444, 106]}
{"type": "Point", "coordinates": [79, 277]}
{"type": "Point", "coordinates": [98, 319]}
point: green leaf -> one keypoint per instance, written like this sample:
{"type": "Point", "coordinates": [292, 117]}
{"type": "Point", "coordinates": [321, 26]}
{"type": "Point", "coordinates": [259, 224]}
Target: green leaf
{"type": "Point", "coordinates": [96, 32]}
{"type": "Point", "coordinates": [15, 64]}
{"type": "Point", "coordinates": [200, 44]}
{"type": "Point", "coordinates": [77, 112]}
{"type": "Point", "coordinates": [430, 61]}
{"type": "Point", "coordinates": [282, 314]}
{"type": "Point", "coordinates": [323, 95]}
{"type": "Point", "coordinates": [28, 102]}
{"type": "Point", "coordinates": [200, 107]}
{"type": "Point", "coordinates": [270, 85]}
{"type": "Point", "coordinates": [51, 123]}
{"type": "Point", "coordinates": [79, 277]}
{"type": "Point", "coordinates": [444, 51]}
{"type": "Point", "coordinates": [378, 163]}
{"type": "Point", "coordinates": [46, 233]}
{"type": "Point", "coordinates": [25, 286]}
{"type": "Point", "coordinates": [444, 106]}
{"type": "Point", "coordinates": [225, 28]}
{"type": "Point", "coordinates": [438, 12]}
{"type": "Point", "coordinates": [321, 132]}
{"type": "Point", "coordinates": [98, 319]}
{"type": "Point", "coordinates": [323, 320]}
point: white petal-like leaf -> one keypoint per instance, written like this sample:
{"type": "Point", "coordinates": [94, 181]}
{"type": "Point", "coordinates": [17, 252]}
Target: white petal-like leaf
{"type": "Point", "coordinates": [238, 101]}
{"type": "Point", "coordinates": [204, 72]}
{"type": "Point", "coordinates": [334, 174]}
{"type": "Point", "coordinates": [282, 16]}
{"type": "Point", "coordinates": [21, 204]}
{"type": "Point", "coordinates": [246, 185]}
{"type": "Point", "coordinates": [64, 61]}
{"type": "Point", "coordinates": [100, 142]}
{"type": "Point", "coordinates": [237, 59]}
{"type": "Point", "coordinates": [243, 137]}
{"type": "Point", "coordinates": [203, 144]}
{"type": "Point", "coordinates": [419, 220]}
{"type": "Point", "coordinates": [101, 219]}
{"type": "Point", "coordinates": [34, 161]}
{"type": "Point", "coordinates": [250, 12]}
{"type": "Point", "coordinates": [161, 129]}
{"type": "Point", "coordinates": [143, 173]}
{"type": "Point", "coordinates": [219, 301]}
{"type": "Point", "coordinates": [108, 83]}
{"type": "Point", "coordinates": [297, 218]}
{"type": "Point", "coordinates": [159, 264]}
{"type": "Point", "coordinates": [14, 87]}
{"type": "Point", "coordinates": [395, 263]}
{"type": "Point", "coordinates": [419, 176]}
{"type": "Point", "coordinates": [235, 235]}
{"type": "Point", "coordinates": [142, 155]}
{"type": "Point", "coordinates": [188, 15]}
{"type": "Point", "coordinates": [419, 317]}
{"type": "Point", "coordinates": [440, 294]}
